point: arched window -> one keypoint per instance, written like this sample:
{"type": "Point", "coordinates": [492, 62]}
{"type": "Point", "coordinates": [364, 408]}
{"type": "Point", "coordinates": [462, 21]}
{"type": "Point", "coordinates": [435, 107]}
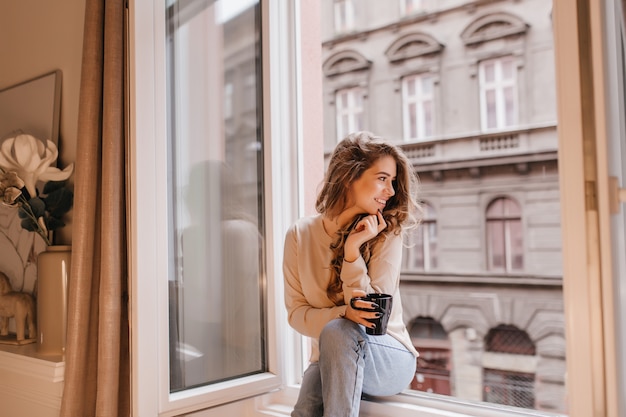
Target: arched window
{"type": "Point", "coordinates": [505, 249]}
{"type": "Point", "coordinates": [348, 70]}
{"type": "Point", "coordinates": [421, 251]}
{"type": "Point", "coordinates": [414, 61]}
{"type": "Point", "coordinates": [433, 364]}
{"type": "Point", "coordinates": [494, 41]}
{"type": "Point", "coordinates": [512, 384]}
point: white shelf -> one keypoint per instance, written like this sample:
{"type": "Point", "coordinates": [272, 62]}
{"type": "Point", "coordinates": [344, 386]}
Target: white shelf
{"type": "Point", "coordinates": [31, 384]}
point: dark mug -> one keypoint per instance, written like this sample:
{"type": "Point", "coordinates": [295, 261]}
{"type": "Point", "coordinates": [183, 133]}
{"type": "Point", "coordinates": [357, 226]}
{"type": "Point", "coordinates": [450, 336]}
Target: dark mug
{"type": "Point", "coordinates": [384, 302]}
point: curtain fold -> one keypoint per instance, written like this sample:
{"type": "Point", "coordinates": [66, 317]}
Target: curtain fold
{"type": "Point", "coordinates": [97, 380]}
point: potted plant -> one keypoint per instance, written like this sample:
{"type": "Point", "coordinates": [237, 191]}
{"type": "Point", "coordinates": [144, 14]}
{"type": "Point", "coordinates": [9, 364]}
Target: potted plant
{"type": "Point", "coordinates": [30, 183]}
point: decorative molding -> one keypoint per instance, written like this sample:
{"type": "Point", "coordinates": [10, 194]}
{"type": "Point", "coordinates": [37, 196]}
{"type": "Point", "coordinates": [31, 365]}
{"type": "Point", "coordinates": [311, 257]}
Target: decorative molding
{"type": "Point", "coordinates": [493, 26]}
{"type": "Point", "coordinates": [344, 62]}
{"type": "Point", "coordinates": [412, 45]}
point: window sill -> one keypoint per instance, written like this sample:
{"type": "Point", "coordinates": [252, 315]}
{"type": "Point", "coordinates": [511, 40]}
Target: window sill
{"type": "Point", "coordinates": [407, 404]}
{"type": "Point", "coordinates": [30, 384]}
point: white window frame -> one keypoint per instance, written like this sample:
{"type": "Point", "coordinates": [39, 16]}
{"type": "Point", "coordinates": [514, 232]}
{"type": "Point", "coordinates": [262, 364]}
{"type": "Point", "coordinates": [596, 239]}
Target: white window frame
{"type": "Point", "coordinates": [420, 99]}
{"type": "Point", "coordinates": [148, 217]}
{"type": "Point", "coordinates": [344, 16]}
{"type": "Point", "coordinates": [352, 111]}
{"type": "Point", "coordinates": [498, 86]}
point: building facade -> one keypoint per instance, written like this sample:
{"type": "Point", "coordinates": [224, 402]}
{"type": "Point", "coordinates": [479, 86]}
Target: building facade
{"type": "Point", "coordinates": [467, 89]}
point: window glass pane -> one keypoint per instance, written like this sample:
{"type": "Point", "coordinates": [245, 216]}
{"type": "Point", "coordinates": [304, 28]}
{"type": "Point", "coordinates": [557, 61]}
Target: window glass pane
{"type": "Point", "coordinates": [427, 85]}
{"type": "Point", "coordinates": [250, 92]}
{"type": "Point", "coordinates": [418, 107]}
{"type": "Point", "coordinates": [349, 111]}
{"type": "Point", "coordinates": [431, 230]}
{"type": "Point", "coordinates": [498, 86]}
{"type": "Point", "coordinates": [344, 126]}
{"type": "Point", "coordinates": [490, 101]}
{"type": "Point", "coordinates": [428, 118]}
{"type": "Point", "coordinates": [509, 207]}
{"type": "Point", "coordinates": [505, 235]}
{"type": "Point", "coordinates": [456, 113]}
{"type": "Point", "coordinates": [418, 249]}
{"type": "Point", "coordinates": [215, 189]}
{"type": "Point", "coordinates": [358, 100]}
{"type": "Point", "coordinates": [496, 208]}
{"type": "Point", "coordinates": [413, 252]}
{"type": "Point", "coordinates": [228, 100]}
{"type": "Point", "coordinates": [509, 106]}
{"type": "Point", "coordinates": [428, 212]}
{"type": "Point", "coordinates": [517, 248]}
{"type": "Point", "coordinates": [358, 122]}
{"type": "Point", "coordinates": [495, 240]}
{"type": "Point", "coordinates": [412, 120]}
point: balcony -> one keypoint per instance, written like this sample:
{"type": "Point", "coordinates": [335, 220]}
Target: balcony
{"type": "Point", "coordinates": [518, 147]}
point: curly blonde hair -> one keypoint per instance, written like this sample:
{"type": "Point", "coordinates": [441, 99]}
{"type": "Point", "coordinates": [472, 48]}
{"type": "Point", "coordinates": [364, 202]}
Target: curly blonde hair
{"type": "Point", "coordinates": [351, 157]}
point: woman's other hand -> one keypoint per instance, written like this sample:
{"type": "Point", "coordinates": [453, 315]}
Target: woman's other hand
{"type": "Point", "coordinates": [361, 316]}
{"type": "Point", "coordinates": [366, 229]}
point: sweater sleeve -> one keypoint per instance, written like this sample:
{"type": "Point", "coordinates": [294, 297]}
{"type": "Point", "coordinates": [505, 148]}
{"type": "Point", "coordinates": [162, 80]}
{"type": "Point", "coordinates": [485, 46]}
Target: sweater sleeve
{"type": "Point", "coordinates": [305, 318]}
{"type": "Point", "coordinates": [382, 275]}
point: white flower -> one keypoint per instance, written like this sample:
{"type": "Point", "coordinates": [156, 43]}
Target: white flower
{"type": "Point", "coordinates": [31, 160]}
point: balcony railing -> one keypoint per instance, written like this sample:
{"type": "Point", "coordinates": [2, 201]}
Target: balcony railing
{"type": "Point", "coordinates": [538, 143]}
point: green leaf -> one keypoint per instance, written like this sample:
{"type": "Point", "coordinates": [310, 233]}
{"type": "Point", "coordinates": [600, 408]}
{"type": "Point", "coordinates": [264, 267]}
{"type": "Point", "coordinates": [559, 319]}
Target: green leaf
{"type": "Point", "coordinates": [22, 213]}
{"type": "Point", "coordinates": [53, 223]}
{"type": "Point", "coordinates": [51, 186]}
{"type": "Point", "coordinates": [29, 224]}
{"type": "Point", "coordinates": [59, 202]}
{"type": "Point", "coordinates": [38, 206]}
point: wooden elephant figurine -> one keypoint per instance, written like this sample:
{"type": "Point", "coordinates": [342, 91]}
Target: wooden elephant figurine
{"type": "Point", "coordinates": [18, 305]}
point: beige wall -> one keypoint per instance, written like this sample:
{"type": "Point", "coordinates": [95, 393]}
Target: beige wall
{"type": "Point", "coordinates": [37, 37]}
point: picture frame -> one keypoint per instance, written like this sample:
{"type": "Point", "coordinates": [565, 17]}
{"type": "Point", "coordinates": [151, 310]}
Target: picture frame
{"type": "Point", "coordinates": [33, 107]}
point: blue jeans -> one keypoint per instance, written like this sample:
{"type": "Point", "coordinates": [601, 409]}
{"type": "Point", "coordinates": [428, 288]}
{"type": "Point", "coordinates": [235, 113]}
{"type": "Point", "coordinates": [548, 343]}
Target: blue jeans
{"type": "Point", "coordinates": [352, 363]}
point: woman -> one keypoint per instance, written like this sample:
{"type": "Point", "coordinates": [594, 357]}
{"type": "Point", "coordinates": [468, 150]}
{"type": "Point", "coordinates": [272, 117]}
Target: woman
{"type": "Point", "coordinates": [352, 247]}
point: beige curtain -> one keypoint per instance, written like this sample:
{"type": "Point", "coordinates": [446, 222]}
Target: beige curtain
{"type": "Point", "coordinates": [97, 350]}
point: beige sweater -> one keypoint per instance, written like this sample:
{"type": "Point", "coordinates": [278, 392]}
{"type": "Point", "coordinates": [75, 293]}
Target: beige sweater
{"type": "Point", "coordinates": [307, 275]}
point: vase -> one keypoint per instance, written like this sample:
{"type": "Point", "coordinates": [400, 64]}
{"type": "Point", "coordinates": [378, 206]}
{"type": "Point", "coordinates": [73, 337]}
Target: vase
{"type": "Point", "coordinates": [53, 269]}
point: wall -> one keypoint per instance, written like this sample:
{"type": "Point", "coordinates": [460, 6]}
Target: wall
{"type": "Point", "coordinates": [37, 37]}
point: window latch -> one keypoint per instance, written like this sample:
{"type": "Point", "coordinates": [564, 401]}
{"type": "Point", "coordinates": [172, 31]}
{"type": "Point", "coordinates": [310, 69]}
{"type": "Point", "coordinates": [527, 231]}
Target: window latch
{"type": "Point", "coordinates": [617, 195]}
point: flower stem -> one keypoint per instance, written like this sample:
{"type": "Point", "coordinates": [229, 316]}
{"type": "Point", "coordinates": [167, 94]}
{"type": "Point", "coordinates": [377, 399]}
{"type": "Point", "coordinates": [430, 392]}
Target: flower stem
{"type": "Point", "coordinates": [41, 231]}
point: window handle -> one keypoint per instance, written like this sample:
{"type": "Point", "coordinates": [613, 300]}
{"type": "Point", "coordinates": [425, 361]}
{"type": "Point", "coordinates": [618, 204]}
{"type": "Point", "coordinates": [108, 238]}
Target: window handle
{"type": "Point", "coordinates": [617, 195]}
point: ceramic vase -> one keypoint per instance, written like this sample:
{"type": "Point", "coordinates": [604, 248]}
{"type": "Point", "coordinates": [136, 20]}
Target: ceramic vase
{"type": "Point", "coordinates": [53, 269]}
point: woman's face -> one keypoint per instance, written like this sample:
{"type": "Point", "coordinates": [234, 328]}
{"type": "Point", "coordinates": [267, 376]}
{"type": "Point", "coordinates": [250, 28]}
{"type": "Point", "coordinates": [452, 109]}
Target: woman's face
{"type": "Point", "coordinates": [370, 192]}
